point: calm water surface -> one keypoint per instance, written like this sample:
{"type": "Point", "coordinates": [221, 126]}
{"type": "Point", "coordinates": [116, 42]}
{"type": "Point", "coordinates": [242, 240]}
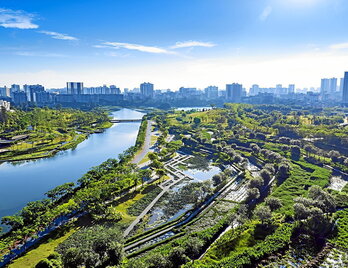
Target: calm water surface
{"type": "Point", "coordinates": [28, 181]}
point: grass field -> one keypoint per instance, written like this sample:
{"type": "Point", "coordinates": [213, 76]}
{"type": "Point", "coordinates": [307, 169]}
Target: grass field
{"type": "Point", "coordinates": [31, 258]}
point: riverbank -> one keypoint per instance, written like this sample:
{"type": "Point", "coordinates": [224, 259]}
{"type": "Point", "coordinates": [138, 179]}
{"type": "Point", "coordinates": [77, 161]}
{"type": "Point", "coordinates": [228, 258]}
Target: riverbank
{"type": "Point", "coordinates": [45, 149]}
{"type": "Point", "coordinates": [45, 132]}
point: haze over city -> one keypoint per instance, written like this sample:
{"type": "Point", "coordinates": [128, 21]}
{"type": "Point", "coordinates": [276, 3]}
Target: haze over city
{"type": "Point", "coordinates": [173, 43]}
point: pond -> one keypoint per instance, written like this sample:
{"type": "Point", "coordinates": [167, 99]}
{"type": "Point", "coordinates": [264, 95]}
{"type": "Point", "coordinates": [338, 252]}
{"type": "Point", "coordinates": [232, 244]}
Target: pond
{"type": "Point", "coordinates": [161, 213]}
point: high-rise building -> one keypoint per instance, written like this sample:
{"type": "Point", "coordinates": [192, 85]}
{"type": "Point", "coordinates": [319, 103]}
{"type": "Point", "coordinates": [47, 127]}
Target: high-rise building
{"type": "Point", "coordinates": [328, 85]}
{"type": "Point", "coordinates": [345, 89]}
{"type": "Point", "coordinates": [15, 88]}
{"type": "Point", "coordinates": [234, 92]}
{"type": "Point", "coordinates": [291, 89]}
{"type": "Point", "coordinates": [19, 97]}
{"type": "Point", "coordinates": [341, 85]}
{"type": "Point", "coordinates": [75, 88]}
{"type": "Point", "coordinates": [325, 86]}
{"type": "Point", "coordinates": [33, 90]}
{"type": "Point", "coordinates": [211, 92]}
{"type": "Point", "coordinates": [4, 92]}
{"type": "Point", "coordinates": [114, 90]}
{"type": "Point", "coordinates": [146, 89]}
{"type": "Point", "coordinates": [254, 90]}
{"type": "Point", "coordinates": [333, 85]}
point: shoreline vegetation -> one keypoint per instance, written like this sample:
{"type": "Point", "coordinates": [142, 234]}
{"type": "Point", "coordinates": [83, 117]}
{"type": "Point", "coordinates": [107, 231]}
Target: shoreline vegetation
{"type": "Point", "coordinates": [45, 132]}
{"type": "Point", "coordinates": [87, 196]}
{"type": "Point", "coordinates": [283, 212]}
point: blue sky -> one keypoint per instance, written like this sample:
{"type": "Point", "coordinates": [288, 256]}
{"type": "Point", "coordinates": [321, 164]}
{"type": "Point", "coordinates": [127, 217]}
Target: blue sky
{"type": "Point", "coordinates": [172, 43]}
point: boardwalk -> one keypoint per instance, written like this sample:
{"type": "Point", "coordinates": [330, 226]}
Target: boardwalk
{"type": "Point", "coordinates": [175, 177]}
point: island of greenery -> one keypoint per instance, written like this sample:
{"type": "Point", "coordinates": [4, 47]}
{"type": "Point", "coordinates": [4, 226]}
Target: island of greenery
{"type": "Point", "coordinates": [42, 132]}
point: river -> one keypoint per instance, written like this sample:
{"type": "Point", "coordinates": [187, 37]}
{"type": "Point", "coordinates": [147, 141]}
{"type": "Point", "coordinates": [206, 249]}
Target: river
{"type": "Point", "coordinates": [27, 181]}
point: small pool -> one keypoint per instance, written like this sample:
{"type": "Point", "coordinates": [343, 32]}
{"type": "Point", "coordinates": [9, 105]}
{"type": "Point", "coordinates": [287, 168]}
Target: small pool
{"type": "Point", "coordinates": [200, 175]}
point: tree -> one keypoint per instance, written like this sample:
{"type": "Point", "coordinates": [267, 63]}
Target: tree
{"type": "Point", "coordinates": [160, 173]}
{"type": "Point", "coordinates": [253, 193]}
{"type": "Point", "coordinates": [60, 190]}
{"type": "Point", "coordinates": [256, 183]}
{"type": "Point", "coordinates": [263, 213]}
{"type": "Point", "coordinates": [334, 155]}
{"type": "Point", "coordinates": [193, 246]}
{"type": "Point", "coordinates": [283, 171]}
{"type": "Point", "coordinates": [256, 149]}
{"type": "Point", "coordinates": [145, 174]}
{"type": "Point", "coordinates": [308, 148]}
{"type": "Point", "coordinates": [197, 120]}
{"type": "Point", "coordinates": [322, 199]}
{"type": "Point", "coordinates": [273, 203]}
{"type": "Point", "coordinates": [177, 256]}
{"type": "Point", "coordinates": [15, 221]}
{"type": "Point", "coordinates": [157, 260]}
{"type": "Point", "coordinates": [269, 167]}
{"type": "Point", "coordinates": [295, 152]}
{"type": "Point", "coordinates": [266, 176]}
{"type": "Point", "coordinates": [228, 172]}
{"type": "Point", "coordinates": [216, 179]}
{"type": "Point", "coordinates": [153, 156]}
{"type": "Point", "coordinates": [92, 247]}
{"type": "Point", "coordinates": [301, 212]}
{"type": "Point", "coordinates": [237, 159]}
{"type": "Point", "coordinates": [52, 261]}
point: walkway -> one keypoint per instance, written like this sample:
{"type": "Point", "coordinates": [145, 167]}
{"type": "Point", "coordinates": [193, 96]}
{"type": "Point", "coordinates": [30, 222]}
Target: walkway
{"type": "Point", "coordinates": [146, 146]}
{"type": "Point", "coordinates": [206, 206]}
{"type": "Point", "coordinates": [175, 177]}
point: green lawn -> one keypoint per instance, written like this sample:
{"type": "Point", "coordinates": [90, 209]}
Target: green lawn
{"type": "Point", "coordinates": [31, 258]}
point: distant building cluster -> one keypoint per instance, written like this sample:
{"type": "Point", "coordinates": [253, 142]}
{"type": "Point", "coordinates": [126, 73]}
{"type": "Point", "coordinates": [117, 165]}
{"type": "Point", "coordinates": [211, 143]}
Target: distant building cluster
{"type": "Point", "coordinates": [75, 93]}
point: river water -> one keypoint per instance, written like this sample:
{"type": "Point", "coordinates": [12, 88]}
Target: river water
{"type": "Point", "coordinates": [28, 181]}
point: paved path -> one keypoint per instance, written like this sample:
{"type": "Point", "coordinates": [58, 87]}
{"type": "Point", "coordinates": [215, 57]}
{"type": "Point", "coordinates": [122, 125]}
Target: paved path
{"type": "Point", "coordinates": [210, 203]}
{"type": "Point", "coordinates": [147, 144]}
{"type": "Point", "coordinates": [175, 178]}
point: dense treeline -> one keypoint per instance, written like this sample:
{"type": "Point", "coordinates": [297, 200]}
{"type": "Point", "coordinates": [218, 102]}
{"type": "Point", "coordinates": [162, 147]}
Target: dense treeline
{"type": "Point", "coordinates": [299, 211]}
{"type": "Point", "coordinates": [41, 132]}
{"type": "Point", "coordinates": [47, 119]}
{"type": "Point", "coordinates": [288, 209]}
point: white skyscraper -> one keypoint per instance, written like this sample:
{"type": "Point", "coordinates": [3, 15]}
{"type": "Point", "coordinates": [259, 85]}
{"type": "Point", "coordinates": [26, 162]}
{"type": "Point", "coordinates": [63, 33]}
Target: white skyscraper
{"type": "Point", "coordinates": [254, 90]}
{"type": "Point", "coordinates": [325, 86]}
{"type": "Point", "coordinates": [74, 88]}
{"type": "Point", "coordinates": [291, 89]}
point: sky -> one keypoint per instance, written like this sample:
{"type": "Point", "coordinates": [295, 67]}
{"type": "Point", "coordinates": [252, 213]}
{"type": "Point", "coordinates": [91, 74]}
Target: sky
{"type": "Point", "coordinates": [172, 43]}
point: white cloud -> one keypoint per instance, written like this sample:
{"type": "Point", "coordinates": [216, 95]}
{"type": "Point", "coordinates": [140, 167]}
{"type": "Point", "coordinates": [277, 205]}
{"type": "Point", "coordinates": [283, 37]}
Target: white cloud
{"type": "Point", "coordinates": [59, 36]}
{"type": "Point", "coordinates": [264, 70]}
{"type": "Point", "coordinates": [265, 13]}
{"type": "Point", "coordinates": [142, 48]}
{"type": "Point", "coordinates": [38, 54]}
{"type": "Point", "coordinates": [192, 44]}
{"type": "Point", "coordinates": [16, 19]}
{"type": "Point", "coordinates": [339, 46]}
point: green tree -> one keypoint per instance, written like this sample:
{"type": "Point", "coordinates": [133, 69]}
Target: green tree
{"type": "Point", "coordinates": [263, 213]}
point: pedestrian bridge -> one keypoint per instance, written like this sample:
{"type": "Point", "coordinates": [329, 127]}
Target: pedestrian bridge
{"type": "Point", "coordinates": [125, 120]}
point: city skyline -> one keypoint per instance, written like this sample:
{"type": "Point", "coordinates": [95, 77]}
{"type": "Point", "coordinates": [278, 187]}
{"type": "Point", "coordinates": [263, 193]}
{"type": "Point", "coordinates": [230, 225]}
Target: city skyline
{"type": "Point", "coordinates": [217, 42]}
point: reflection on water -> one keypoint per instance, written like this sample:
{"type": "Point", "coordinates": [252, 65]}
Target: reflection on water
{"type": "Point", "coordinates": [158, 215]}
{"type": "Point", "coordinates": [202, 175]}
{"type": "Point", "coordinates": [28, 180]}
